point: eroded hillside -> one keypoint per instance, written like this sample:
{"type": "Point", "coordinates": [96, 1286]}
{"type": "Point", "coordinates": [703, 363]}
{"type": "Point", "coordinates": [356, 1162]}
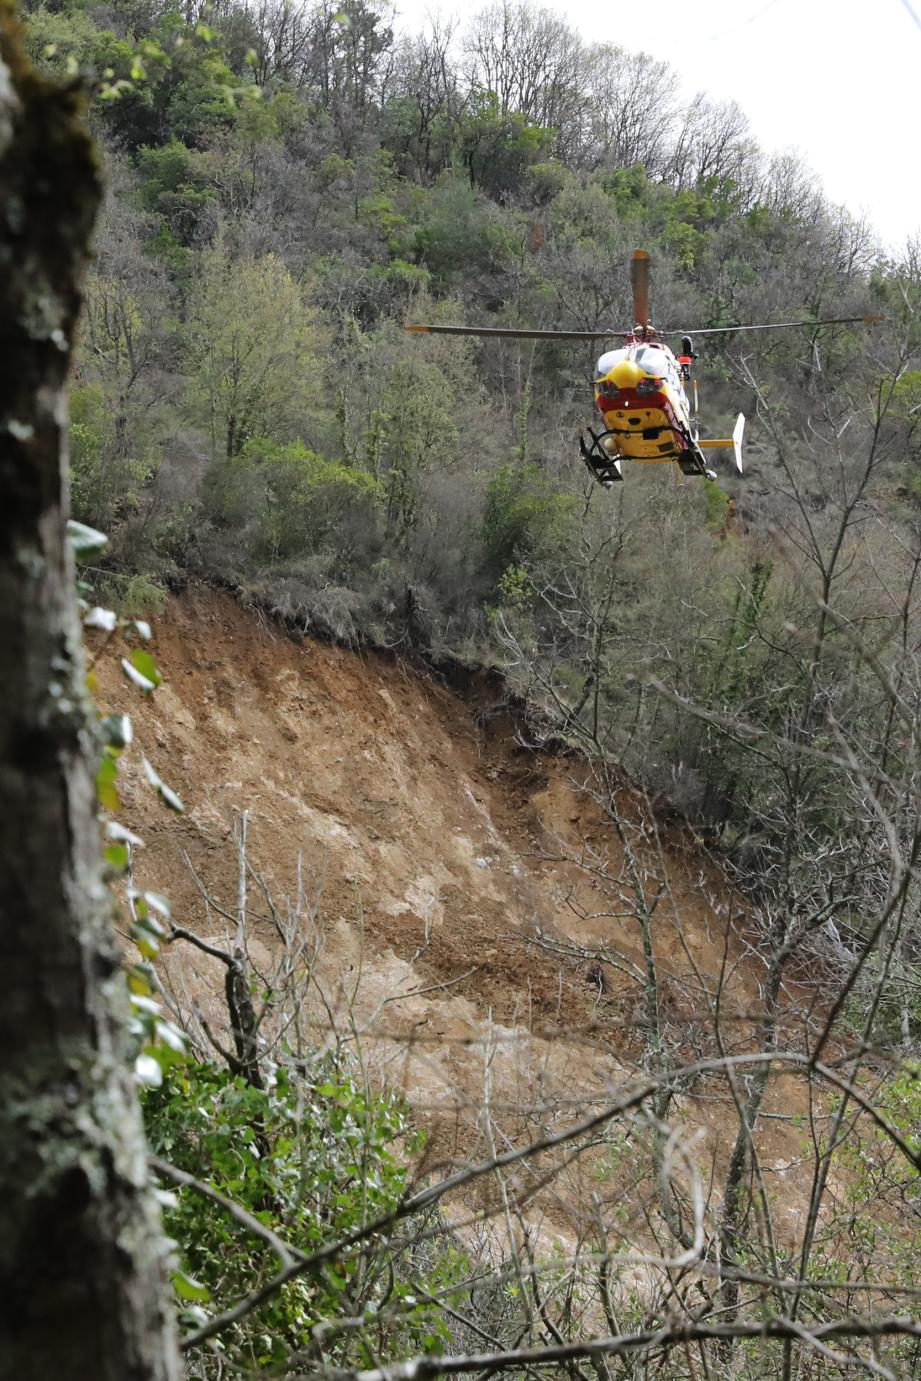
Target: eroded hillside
{"type": "Point", "coordinates": [459, 886]}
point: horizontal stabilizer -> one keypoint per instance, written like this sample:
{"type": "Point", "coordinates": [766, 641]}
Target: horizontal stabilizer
{"type": "Point", "coordinates": [735, 441]}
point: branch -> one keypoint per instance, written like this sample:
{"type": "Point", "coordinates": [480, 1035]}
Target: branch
{"type": "Point", "coordinates": [425, 1368]}
{"type": "Point", "coordinates": [283, 1250]}
{"type": "Point", "coordinates": [426, 1198]}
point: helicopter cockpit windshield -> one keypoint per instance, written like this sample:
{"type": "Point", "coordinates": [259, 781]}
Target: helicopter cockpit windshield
{"type": "Point", "coordinates": [654, 361]}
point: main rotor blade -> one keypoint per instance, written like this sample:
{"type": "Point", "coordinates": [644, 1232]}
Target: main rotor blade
{"type": "Point", "coordinates": [515, 334]}
{"type": "Point", "coordinates": [782, 325]}
{"type": "Point", "coordinates": [639, 279]}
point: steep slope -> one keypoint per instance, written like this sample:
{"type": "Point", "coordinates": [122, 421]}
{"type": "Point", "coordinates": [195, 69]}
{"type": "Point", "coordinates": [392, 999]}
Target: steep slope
{"type": "Point", "coordinates": [451, 876]}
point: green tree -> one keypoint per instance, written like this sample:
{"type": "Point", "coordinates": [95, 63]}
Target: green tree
{"type": "Point", "coordinates": [525, 516]}
{"type": "Point", "coordinates": [286, 500]}
{"type": "Point", "coordinates": [252, 343]}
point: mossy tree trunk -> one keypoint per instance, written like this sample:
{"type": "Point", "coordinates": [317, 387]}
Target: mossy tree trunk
{"type": "Point", "coordinates": [81, 1253]}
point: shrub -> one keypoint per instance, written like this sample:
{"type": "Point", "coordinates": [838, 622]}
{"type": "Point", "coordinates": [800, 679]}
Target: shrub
{"type": "Point", "coordinates": [313, 1157]}
{"type": "Point", "coordinates": [287, 499]}
{"type": "Point", "coordinates": [524, 516]}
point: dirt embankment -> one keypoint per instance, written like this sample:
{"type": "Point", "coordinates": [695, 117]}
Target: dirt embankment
{"type": "Point", "coordinates": [472, 903]}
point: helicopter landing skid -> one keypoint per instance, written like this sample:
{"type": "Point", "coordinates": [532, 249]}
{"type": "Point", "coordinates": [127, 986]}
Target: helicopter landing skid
{"type": "Point", "coordinates": [691, 462]}
{"type": "Point", "coordinates": [605, 468]}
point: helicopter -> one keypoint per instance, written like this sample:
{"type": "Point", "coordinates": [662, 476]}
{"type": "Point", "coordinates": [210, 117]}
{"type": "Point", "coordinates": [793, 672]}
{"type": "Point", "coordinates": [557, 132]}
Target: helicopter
{"type": "Point", "coordinates": [640, 387]}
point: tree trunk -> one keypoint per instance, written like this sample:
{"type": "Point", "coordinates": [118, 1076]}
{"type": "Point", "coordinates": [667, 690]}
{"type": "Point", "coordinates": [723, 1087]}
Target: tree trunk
{"type": "Point", "coordinates": [81, 1253]}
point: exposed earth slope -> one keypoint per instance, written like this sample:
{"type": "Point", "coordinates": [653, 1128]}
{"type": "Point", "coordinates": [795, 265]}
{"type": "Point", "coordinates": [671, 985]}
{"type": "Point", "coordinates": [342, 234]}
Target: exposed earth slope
{"type": "Point", "coordinates": [459, 883]}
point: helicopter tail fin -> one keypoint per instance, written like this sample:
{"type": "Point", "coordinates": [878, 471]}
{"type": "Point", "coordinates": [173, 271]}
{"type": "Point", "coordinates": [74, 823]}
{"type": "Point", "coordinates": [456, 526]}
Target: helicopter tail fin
{"type": "Point", "coordinates": [737, 433]}
{"type": "Point", "coordinates": [735, 441]}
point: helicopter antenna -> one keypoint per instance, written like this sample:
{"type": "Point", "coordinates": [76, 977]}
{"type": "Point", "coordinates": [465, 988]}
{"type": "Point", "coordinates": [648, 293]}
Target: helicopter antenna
{"type": "Point", "coordinates": [639, 280]}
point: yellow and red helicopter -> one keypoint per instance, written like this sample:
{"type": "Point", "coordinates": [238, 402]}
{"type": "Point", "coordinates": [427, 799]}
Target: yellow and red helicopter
{"type": "Point", "coordinates": [640, 387]}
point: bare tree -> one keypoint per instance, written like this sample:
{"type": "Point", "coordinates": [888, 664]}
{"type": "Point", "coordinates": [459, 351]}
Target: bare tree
{"type": "Point", "coordinates": [632, 114]}
{"type": "Point", "coordinates": [712, 145]}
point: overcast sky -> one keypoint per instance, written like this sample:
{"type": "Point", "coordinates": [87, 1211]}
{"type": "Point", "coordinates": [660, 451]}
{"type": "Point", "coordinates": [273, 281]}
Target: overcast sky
{"type": "Point", "coordinates": [838, 79]}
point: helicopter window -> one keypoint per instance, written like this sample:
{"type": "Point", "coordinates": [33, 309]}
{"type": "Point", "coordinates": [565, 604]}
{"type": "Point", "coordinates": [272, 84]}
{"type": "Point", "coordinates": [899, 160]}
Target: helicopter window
{"type": "Point", "coordinates": [608, 361]}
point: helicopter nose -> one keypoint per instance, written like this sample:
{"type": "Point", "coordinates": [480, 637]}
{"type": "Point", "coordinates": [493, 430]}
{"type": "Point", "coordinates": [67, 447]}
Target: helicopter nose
{"type": "Point", "coordinates": [626, 374]}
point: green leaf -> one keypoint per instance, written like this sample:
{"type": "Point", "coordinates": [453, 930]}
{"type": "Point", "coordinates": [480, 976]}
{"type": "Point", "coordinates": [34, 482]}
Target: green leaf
{"type": "Point", "coordinates": [106, 793]}
{"type": "Point", "coordinates": [158, 902]}
{"type": "Point", "coordinates": [106, 619]}
{"type": "Point", "coordinates": [140, 680]}
{"type": "Point", "coordinates": [147, 1071]}
{"type": "Point", "coordinates": [166, 793]}
{"type": "Point", "coordinates": [85, 541]}
{"type": "Point", "coordinates": [189, 1289]}
{"type": "Point", "coordinates": [141, 980]}
{"type": "Point", "coordinates": [145, 664]}
{"type": "Point", "coordinates": [149, 924]}
{"type": "Point", "coordinates": [171, 1035]}
{"type": "Point", "coordinates": [144, 941]}
{"type": "Point", "coordinates": [118, 832]}
{"type": "Point", "coordinates": [116, 855]}
{"type": "Point", "coordinates": [117, 730]}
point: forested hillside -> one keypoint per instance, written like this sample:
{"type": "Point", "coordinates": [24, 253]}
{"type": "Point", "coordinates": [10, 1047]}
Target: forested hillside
{"type": "Point", "coordinates": [289, 186]}
{"type": "Point", "coordinates": [722, 672]}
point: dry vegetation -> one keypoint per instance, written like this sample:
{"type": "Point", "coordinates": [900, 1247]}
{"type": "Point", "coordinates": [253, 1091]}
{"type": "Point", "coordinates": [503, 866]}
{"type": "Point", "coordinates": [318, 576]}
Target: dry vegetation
{"type": "Point", "coordinates": [571, 1021]}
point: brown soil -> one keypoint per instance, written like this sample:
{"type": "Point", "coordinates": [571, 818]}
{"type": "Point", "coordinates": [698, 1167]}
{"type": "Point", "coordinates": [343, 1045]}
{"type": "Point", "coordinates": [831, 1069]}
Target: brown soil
{"type": "Point", "coordinates": [453, 873]}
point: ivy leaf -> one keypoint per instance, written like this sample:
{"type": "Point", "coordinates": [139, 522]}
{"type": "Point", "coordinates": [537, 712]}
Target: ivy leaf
{"type": "Point", "coordinates": [145, 1005]}
{"type": "Point", "coordinates": [117, 730]}
{"type": "Point", "coordinates": [188, 1288]}
{"type": "Point", "coordinates": [141, 982]}
{"type": "Point", "coordinates": [106, 792]}
{"type": "Point", "coordinates": [145, 664]}
{"type": "Point", "coordinates": [147, 1071]}
{"type": "Point", "coordinates": [145, 943]}
{"type": "Point", "coordinates": [193, 1314]}
{"type": "Point", "coordinates": [166, 793]}
{"type": "Point", "coordinates": [85, 542]}
{"type": "Point", "coordinates": [106, 619]}
{"type": "Point", "coordinates": [140, 680]}
{"type": "Point", "coordinates": [143, 901]}
{"type": "Point", "coordinates": [118, 832]}
{"type": "Point", "coordinates": [172, 1036]}
{"type": "Point", "coordinates": [116, 855]}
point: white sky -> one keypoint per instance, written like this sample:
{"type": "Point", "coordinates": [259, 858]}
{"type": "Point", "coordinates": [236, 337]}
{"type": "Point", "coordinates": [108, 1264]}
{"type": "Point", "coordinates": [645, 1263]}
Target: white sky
{"type": "Point", "coordinates": [840, 80]}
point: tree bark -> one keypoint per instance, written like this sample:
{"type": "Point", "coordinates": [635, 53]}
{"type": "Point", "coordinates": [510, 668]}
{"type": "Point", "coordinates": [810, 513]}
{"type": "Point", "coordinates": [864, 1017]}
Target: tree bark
{"type": "Point", "coordinates": [81, 1253]}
